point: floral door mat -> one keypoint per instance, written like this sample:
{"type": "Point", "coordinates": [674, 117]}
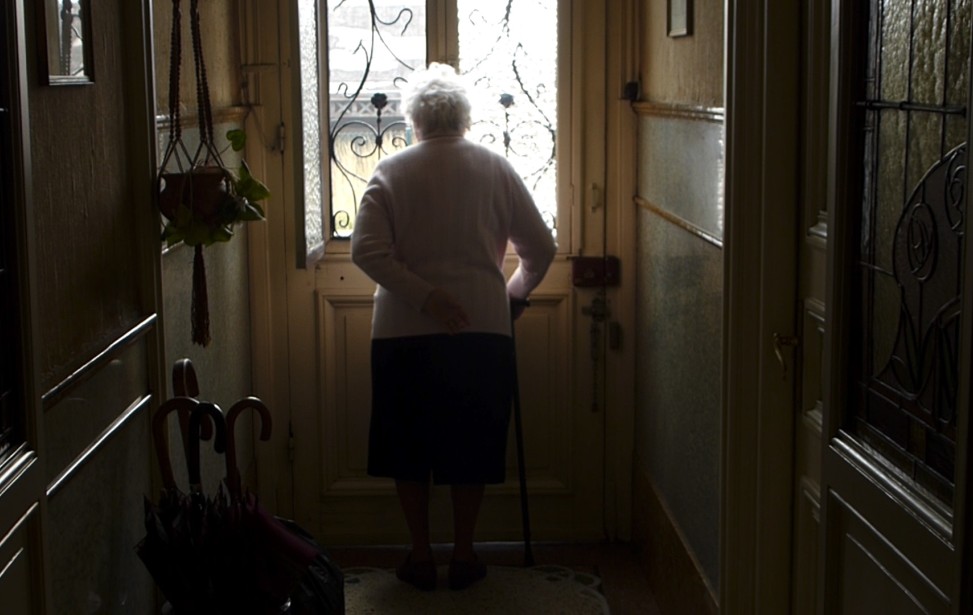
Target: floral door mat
{"type": "Point", "coordinates": [505, 590]}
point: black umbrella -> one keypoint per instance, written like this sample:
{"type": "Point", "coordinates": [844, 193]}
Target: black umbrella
{"type": "Point", "coordinates": [254, 554]}
{"type": "Point", "coordinates": [227, 554]}
{"type": "Point", "coordinates": [278, 567]}
{"type": "Point", "coordinates": [175, 547]}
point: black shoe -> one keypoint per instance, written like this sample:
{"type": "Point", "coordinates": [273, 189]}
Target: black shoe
{"type": "Point", "coordinates": [421, 575]}
{"type": "Point", "coordinates": [463, 574]}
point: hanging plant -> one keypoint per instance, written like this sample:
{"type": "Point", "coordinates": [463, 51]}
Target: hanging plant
{"type": "Point", "coordinates": [199, 196]}
{"type": "Point", "coordinates": [203, 205]}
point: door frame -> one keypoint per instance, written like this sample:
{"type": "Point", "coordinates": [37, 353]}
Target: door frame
{"type": "Point", "coordinates": [262, 75]}
{"type": "Point", "coordinates": [22, 488]}
{"type": "Point", "coordinates": [272, 251]}
{"type": "Point", "coordinates": [761, 189]}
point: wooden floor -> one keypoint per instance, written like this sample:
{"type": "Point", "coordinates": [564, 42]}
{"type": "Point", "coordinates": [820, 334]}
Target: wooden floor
{"type": "Point", "coordinates": [623, 578]}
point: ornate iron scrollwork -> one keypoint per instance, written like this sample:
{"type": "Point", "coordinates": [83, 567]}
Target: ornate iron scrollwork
{"type": "Point", "coordinates": [912, 222]}
{"type": "Point", "coordinates": [527, 123]}
{"type": "Point", "coordinates": [356, 130]}
{"type": "Point", "coordinates": [364, 127]}
{"type": "Point", "coordinates": [923, 367]}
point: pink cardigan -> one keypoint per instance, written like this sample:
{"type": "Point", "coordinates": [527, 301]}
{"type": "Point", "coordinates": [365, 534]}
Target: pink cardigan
{"type": "Point", "coordinates": [440, 214]}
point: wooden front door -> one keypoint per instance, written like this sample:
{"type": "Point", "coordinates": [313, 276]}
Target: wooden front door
{"type": "Point", "coordinates": [318, 304]}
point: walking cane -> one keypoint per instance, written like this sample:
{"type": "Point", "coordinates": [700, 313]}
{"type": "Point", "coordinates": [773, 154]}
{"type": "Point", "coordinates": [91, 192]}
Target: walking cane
{"type": "Point", "coordinates": [519, 433]}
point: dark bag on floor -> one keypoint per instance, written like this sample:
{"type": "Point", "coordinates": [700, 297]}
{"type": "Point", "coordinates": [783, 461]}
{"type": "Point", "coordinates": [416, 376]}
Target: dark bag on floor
{"type": "Point", "coordinates": [322, 588]}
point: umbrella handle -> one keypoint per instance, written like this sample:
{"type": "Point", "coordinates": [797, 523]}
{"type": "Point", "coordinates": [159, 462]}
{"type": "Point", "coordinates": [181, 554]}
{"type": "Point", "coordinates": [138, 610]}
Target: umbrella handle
{"type": "Point", "coordinates": [185, 384]}
{"type": "Point", "coordinates": [184, 381]}
{"type": "Point", "coordinates": [185, 406]}
{"type": "Point", "coordinates": [232, 470]}
{"type": "Point", "coordinates": [192, 450]}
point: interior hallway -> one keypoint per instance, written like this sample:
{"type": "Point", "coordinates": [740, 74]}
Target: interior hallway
{"type": "Point", "coordinates": [730, 178]}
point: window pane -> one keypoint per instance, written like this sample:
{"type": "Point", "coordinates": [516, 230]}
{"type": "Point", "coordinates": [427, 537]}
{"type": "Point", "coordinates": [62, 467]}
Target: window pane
{"type": "Point", "coordinates": [370, 55]}
{"type": "Point", "coordinates": [310, 114]}
{"type": "Point", "coordinates": [911, 242]}
{"type": "Point", "coordinates": [509, 52]}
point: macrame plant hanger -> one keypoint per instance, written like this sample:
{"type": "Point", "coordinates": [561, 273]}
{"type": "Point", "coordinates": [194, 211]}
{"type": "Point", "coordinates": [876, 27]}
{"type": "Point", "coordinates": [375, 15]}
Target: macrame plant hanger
{"type": "Point", "coordinates": [195, 185]}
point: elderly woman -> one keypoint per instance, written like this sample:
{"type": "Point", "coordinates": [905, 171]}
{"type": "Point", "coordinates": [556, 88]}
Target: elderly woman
{"type": "Point", "coordinates": [432, 231]}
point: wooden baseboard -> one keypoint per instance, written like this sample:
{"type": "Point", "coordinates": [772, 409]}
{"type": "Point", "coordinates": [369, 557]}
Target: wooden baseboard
{"type": "Point", "coordinates": [674, 574]}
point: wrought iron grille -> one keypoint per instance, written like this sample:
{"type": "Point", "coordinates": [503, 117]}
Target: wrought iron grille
{"type": "Point", "coordinates": [372, 47]}
{"type": "Point", "coordinates": [508, 52]}
{"type": "Point", "coordinates": [912, 223]}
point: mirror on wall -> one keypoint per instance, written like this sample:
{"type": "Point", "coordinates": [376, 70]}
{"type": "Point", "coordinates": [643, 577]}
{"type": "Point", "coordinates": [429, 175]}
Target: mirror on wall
{"type": "Point", "coordinates": [65, 43]}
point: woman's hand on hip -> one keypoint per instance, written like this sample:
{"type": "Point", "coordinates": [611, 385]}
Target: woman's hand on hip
{"type": "Point", "coordinates": [444, 309]}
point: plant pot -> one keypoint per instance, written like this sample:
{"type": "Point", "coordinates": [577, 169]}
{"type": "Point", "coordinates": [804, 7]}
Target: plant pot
{"type": "Point", "coordinates": [203, 191]}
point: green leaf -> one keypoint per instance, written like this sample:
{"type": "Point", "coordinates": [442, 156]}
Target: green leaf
{"type": "Point", "coordinates": [172, 235]}
{"type": "Point", "coordinates": [198, 234]}
{"type": "Point", "coordinates": [222, 233]}
{"type": "Point", "coordinates": [249, 212]}
{"type": "Point", "coordinates": [250, 187]}
{"type": "Point", "coordinates": [252, 212]}
{"type": "Point", "coordinates": [230, 209]}
{"type": "Point", "coordinates": [184, 216]}
{"type": "Point", "coordinates": [237, 139]}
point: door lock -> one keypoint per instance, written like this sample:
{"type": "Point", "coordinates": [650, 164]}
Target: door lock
{"type": "Point", "coordinates": [598, 310]}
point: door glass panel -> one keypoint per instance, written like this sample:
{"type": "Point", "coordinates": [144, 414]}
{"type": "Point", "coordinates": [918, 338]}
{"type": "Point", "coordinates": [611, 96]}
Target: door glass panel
{"type": "Point", "coordinates": [372, 46]}
{"type": "Point", "coordinates": [508, 51]}
{"type": "Point", "coordinates": [912, 227]}
{"type": "Point", "coordinates": [311, 101]}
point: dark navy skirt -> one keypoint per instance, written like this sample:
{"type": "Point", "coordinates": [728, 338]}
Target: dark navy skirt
{"type": "Point", "coordinates": [441, 408]}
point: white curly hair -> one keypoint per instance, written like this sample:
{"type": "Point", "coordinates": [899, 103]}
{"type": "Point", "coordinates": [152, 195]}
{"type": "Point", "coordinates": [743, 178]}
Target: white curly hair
{"type": "Point", "coordinates": [436, 102]}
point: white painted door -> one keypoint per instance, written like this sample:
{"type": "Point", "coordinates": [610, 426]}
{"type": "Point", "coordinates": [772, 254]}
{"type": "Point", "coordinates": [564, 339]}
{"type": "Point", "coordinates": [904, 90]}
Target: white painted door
{"type": "Point", "coordinates": [315, 306]}
{"type": "Point", "coordinates": [896, 410]}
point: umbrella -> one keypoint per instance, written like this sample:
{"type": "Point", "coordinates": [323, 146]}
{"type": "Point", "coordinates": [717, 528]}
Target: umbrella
{"type": "Point", "coordinates": [255, 555]}
{"type": "Point", "coordinates": [174, 549]}
{"type": "Point", "coordinates": [227, 554]}
{"type": "Point", "coordinates": [276, 565]}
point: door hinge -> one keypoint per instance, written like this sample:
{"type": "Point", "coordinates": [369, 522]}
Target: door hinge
{"type": "Point", "coordinates": [281, 138]}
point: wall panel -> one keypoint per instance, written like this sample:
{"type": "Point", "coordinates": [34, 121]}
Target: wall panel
{"type": "Point", "coordinates": [871, 575]}
{"type": "Point", "coordinates": [17, 558]}
{"type": "Point", "coordinates": [87, 251]}
{"type": "Point", "coordinates": [85, 411]}
{"type": "Point", "coordinates": [95, 519]}
{"type": "Point", "coordinates": [679, 320]}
